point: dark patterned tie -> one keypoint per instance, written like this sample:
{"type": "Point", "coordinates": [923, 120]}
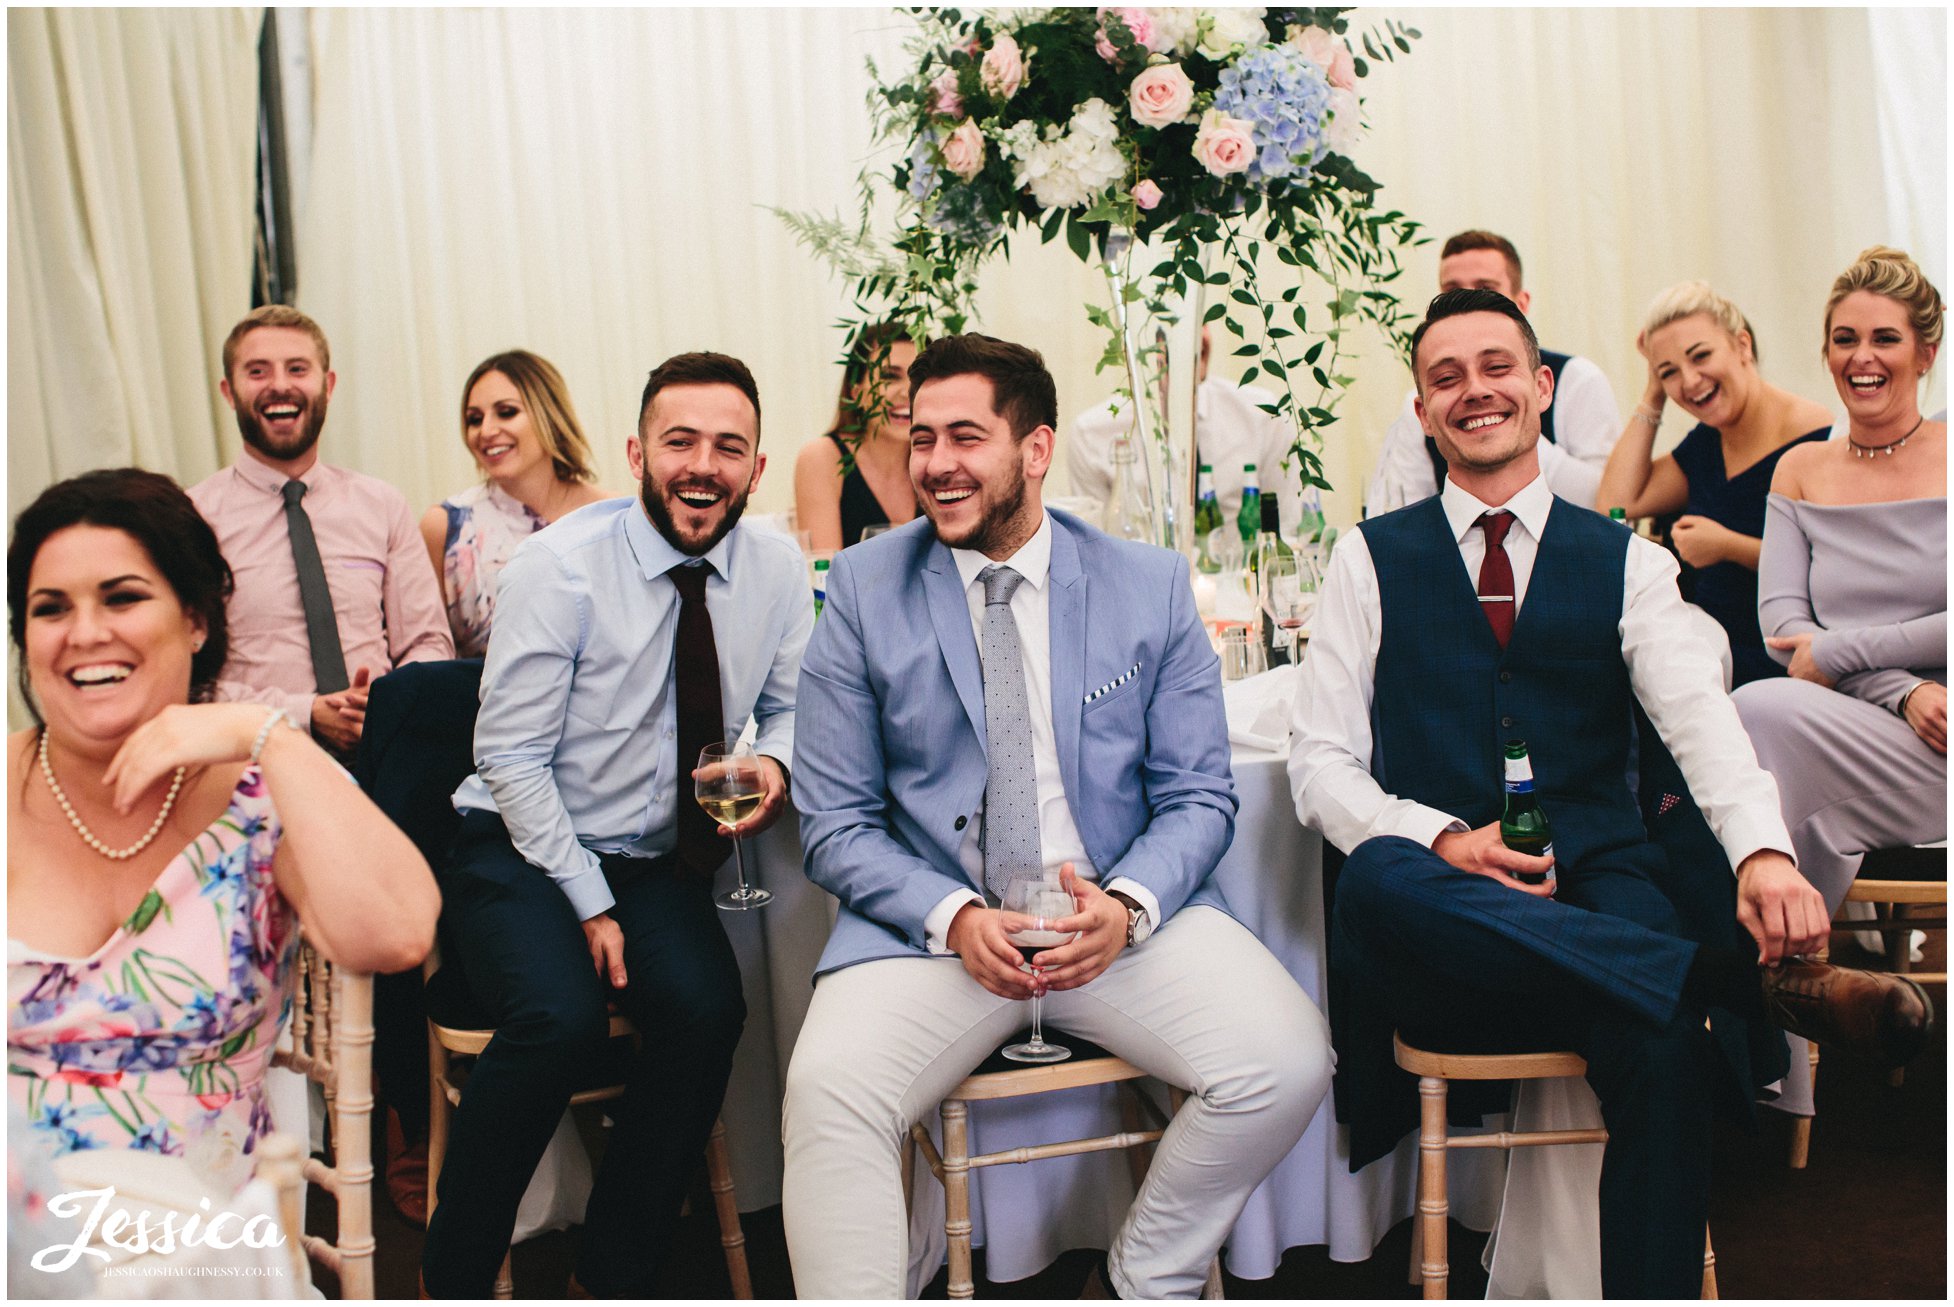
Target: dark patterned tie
{"type": "Point", "coordinates": [1010, 842]}
{"type": "Point", "coordinates": [695, 685]}
{"type": "Point", "coordinates": [321, 627]}
{"type": "Point", "coordinates": [1496, 576]}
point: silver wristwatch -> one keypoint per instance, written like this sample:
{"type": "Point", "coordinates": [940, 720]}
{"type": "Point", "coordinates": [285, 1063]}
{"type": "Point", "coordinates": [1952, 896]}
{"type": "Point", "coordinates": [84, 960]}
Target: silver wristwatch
{"type": "Point", "coordinates": [1139, 926]}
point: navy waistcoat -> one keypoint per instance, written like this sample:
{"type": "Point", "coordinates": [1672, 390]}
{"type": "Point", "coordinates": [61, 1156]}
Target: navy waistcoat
{"type": "Point", "coordinates": [1447, 697]}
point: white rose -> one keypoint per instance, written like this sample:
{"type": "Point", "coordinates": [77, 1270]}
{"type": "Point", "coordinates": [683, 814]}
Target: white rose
{"type": "Point", "coordinates": [1176, 30]}
{"type": "Point", "coordinates": [1346, 123]}
{"type": "Point", "coordinates": [1225, 30]}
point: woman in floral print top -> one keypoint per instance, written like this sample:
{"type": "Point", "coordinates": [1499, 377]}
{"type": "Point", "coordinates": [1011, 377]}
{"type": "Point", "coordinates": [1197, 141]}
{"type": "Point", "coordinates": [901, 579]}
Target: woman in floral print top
{"type": "Point", "coordinates": [162, 852]}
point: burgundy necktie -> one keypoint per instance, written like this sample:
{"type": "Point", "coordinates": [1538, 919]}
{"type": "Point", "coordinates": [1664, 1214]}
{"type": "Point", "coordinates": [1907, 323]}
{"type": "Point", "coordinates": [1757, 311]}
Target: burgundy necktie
{"type": "Point", "coordinates": [695, 684]}
{"type": "Point", "coordinates": [1496, 576]}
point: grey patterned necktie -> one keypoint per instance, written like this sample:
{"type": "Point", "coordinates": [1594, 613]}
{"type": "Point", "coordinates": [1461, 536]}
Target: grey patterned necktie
{"type": "Point", "coordinates": [321, 627]}
{"type": "Point", "coordinates": [1010, 833]}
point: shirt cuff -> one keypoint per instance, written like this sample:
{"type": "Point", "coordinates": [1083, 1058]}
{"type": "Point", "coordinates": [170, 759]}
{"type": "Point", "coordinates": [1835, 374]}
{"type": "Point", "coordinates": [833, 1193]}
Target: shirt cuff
{"type": "Point", "coordinates": [589, 893]}
{"type": "Point", "coordinates": [1140, 894]}
{"type": "Point", "coordinates": [1743, 835]}
{"type": "Point", "coordinates": [1422, 825]}
{"type": "Point", "coordinates": [936, 926]}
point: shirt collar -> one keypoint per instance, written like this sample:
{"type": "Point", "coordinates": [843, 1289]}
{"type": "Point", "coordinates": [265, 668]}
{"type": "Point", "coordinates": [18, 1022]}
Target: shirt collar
{"type": "Point", "coordinates": [1033, 561]}
{"type": "Point", "coordinates": [262, 476]}
{"type": "Point", "coordinates": [1530, 505]}
{"type": "Point", "coordinates": [656, 555]}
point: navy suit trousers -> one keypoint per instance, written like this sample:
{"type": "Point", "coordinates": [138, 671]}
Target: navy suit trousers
{"type": "Point", "coordinates": [523, 954]}
{"type": "Point", "coordinates": [1465, 964]}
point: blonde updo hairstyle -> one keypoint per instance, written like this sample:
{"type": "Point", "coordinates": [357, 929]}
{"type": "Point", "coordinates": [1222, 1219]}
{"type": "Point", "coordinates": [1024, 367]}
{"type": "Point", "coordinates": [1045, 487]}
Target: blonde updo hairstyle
{"type": "Point", "coordinates": [551, 415]}
{"type": "Point", "coordinates": [1688, 298]}
{"type": "Point", "coordinates": [1886, 271]}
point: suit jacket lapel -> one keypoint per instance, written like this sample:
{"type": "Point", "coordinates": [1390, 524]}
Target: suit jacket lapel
{"type": "Point", "coordinates": [1068, 623]}
{"type": "Point", "coordinates": [950, 615]}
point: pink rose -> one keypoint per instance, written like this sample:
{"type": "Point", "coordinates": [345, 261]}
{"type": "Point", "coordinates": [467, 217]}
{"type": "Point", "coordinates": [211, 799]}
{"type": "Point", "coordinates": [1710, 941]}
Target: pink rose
{"type": "Point", "coordinates": [1138, 21]}
{"type": "Point", "coordinates": [1146, 194]}
{"type": "Point", "coordinates": [1160, 96]}
{"type": "Point", "coordinates": [963, 153]}
{"type": "Point", "coordinates": [1223, 145]}
{"type": "Point", "coordinates": [1002, 71]}
{"type": "Point", "coordinates": [943, 95]}
{"type": "Point", "coordinates": [1329, 54]}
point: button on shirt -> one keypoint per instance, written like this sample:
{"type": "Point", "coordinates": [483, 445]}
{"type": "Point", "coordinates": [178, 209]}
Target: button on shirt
{"type": "Point", "coordinates": [1587, 423]}
{"type": "Point", "coordinates": [1677, 675]}
{"type": "Point", "coordinates": [1058, 834]}
{"type": "Point", "coordinates": [575, 745]}
{"type": "Point", "coordinates": [384, 593]}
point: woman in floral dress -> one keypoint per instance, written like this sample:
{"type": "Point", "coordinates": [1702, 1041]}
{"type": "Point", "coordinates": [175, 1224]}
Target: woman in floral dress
{"type": "Point", "coordinates": [517, 420]}
{"type": "Point", "coordinates": [162, 850]}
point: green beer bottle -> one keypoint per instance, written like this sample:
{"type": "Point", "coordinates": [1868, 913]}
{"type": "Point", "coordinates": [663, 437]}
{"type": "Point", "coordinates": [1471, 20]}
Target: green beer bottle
{"type": "Point", "coordinates": [1618, 514]}
{"type": "Point", "coordinates": [1248, 520]}
{"type": "Point", "coordinates": [820, 585]}
{"type": "Point", "coordinates": [1207, 518]}
{"type": "Point", "coordinates": [1523, 826]}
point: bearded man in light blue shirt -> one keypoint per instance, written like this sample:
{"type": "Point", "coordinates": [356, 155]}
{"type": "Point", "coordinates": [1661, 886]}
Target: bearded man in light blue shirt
{"type": "Point", "coordinates": [582, 874]}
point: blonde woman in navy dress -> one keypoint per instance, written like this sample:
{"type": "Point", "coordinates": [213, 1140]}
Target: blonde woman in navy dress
{"type": "Point", "coordinates": [1703, 355]}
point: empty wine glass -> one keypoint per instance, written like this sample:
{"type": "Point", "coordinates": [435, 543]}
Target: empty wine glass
{"type": "Point", "coordinates": [1044, 902]}
{"type": "Point", "coordinates": [729, 786]}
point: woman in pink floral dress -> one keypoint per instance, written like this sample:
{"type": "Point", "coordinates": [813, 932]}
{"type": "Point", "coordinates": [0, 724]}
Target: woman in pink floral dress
{"type": "Point", "coordinates": [162, 851]}
{"type": "Point", "coordinates": [518, 422]}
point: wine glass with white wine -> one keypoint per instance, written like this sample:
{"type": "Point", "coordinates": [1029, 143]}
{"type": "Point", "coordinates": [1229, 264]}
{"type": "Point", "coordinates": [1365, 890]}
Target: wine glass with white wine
{"type": "Point", "coordinates": [729, 785]}
{"type": "Point", "coordinates": [1042, 902]}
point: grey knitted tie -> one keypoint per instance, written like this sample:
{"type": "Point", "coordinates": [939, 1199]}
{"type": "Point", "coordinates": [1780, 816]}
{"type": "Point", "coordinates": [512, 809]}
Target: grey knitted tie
{"type": "Point", "coordinates": [321, 627]}
{"type": "Point", "coordinates": [1010, 833]}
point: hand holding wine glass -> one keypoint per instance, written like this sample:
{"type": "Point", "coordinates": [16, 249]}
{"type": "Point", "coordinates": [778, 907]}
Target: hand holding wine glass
{"type": "Point", "coordinates": [1039, 904]}
{"type": "Point", "coordinates": [730, 786]}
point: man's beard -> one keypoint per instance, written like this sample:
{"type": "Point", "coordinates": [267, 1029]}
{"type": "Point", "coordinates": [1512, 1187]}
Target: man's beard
{"type": "Point", "coordinates": [253, 432]}
{"type": "Point", "coordinates": [994, 526]}
{"type": "Point", "coordinates": [653, 496]}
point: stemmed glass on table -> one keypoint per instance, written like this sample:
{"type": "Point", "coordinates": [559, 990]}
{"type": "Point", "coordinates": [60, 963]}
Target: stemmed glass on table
{"type": "Point", "coordinates": [1044, 902]}
{"type": "Point", "coordinates": [1289, 587]}
{"type": "Point", "coordinates": [729, 786]}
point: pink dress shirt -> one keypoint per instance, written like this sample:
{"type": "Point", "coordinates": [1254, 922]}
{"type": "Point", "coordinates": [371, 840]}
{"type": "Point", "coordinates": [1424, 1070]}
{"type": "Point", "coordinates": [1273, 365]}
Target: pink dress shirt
{"type": "Point", "coordinates": [384, 592]}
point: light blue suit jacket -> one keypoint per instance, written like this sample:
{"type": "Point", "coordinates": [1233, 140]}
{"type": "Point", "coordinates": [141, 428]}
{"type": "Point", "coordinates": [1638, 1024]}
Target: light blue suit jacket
{"type": "Point", "coordinates": [889, 763]}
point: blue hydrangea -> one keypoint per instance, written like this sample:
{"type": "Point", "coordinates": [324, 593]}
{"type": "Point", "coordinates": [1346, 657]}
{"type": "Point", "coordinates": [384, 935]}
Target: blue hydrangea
{"type": "Point", "coordinates": [923, 171]}
{"type": "Point", "coordinates": [1283, 97]}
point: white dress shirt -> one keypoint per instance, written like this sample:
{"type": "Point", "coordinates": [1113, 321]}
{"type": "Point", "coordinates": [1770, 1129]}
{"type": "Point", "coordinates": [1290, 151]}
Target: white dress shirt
{"type": "Point", "coordinates": [1675, 673]}
{"type": "Point", "coordinates": [1231, 430]}
{"type": "Point", "coordinates": [1587, 424]}
{"type": "Point", "coordinates": [1058, 834]}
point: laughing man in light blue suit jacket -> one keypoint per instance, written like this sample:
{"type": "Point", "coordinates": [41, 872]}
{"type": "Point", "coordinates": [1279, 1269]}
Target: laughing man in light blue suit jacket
{"type": "Point", "coordinates": [1135, 806]}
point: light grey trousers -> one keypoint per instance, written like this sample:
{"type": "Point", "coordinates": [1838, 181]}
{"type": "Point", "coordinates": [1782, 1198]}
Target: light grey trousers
{"type": "Point", "coordinates": [1851, 777]}
{"type": "Point", "coordinates": [1202, 1005]}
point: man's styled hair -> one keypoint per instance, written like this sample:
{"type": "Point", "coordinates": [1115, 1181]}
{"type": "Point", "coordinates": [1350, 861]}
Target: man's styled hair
{"type": "Point", "coordinates": [1453, 303]}
{"type": "Point", "coordinates": [1022, 390]}
{"type": "Point", "coordinates": [275, 315]}
{"type": "Point", "coordinates": [1486, 240]}
{"type": "Point", "coordinates": [702, 369]}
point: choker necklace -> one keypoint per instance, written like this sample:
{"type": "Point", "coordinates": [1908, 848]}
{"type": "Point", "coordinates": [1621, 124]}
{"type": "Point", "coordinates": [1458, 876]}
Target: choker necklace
{"type": "Point", "coordinates": [87, 835]}
{"type": "Point", "coordinates": [1867, 451]}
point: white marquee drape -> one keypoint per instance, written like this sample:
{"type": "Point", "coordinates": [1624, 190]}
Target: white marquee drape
{"type": "Point", "coordinates": [130, 154]}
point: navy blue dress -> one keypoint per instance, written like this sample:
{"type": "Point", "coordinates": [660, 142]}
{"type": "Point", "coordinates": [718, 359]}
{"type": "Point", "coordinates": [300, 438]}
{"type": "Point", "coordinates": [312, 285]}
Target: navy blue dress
{"type": "Point", "coordinates": [1728, 591]}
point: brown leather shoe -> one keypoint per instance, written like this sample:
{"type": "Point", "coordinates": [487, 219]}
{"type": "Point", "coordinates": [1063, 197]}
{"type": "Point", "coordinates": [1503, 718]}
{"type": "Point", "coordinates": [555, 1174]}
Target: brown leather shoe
{"type": "Point", "coordinates": [406, 1172]}
{"type": "Point", "coordinates": [1874, 1013]}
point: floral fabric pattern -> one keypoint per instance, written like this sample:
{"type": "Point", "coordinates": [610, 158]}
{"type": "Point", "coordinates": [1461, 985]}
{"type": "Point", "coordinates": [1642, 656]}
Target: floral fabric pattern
{"type": "Point", "coordinates": [485, 524]}
{"type": "Point", "coordinates": [159, 1039]}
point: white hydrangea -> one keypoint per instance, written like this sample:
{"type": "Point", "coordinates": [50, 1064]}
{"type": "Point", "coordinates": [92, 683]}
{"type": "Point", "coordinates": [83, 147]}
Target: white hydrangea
{"type": "Point", "coordinates": [1224, 31]}
{"type": "Point", "coordinates": [1176, 30]}
{"type": "Point", "coordinates": [1074, 167]}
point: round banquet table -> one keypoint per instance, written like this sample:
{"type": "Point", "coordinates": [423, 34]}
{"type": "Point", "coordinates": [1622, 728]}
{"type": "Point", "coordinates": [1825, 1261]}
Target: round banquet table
{"type": "Point", "coordinates": [1025, 1216]}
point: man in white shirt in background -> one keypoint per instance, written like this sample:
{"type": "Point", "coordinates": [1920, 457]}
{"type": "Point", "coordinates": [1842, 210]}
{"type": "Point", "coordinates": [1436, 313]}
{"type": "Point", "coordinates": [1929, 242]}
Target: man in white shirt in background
{"type": "Point", "coordinates": [1230, 428]}
{"type": "Point", "coordinates": [1579, 430]}
{"type": "Point", "coordinates": [1414, 677]}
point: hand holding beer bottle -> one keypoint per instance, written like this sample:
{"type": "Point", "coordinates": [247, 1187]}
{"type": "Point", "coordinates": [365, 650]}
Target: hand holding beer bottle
{"type": "Point", "coordinates": [1523, 826]}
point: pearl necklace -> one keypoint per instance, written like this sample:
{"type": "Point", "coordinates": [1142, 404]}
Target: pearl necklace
{"type": "Point", "coordinates": [87, 835]}
{"type": "Point", "coordinates": [1867, 451]}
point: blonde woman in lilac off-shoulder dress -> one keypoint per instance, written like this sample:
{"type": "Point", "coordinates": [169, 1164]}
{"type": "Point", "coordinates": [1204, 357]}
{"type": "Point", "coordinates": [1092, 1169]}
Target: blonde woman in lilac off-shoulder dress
{"type": "Point", "coordinates": [518, 423]}
{"type": "Point", "coordinates": [162, 851]}
{"type": "Point", "coordinates": [1852, 598]}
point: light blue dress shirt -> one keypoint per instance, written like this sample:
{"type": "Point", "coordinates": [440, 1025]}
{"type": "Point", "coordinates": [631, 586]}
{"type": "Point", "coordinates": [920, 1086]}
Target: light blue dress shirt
{"type": "Point", "coordinates": [574, 745]}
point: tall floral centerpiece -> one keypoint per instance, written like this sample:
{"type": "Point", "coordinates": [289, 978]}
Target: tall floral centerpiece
{"type": "Point", "coordinates": [1179, 147]}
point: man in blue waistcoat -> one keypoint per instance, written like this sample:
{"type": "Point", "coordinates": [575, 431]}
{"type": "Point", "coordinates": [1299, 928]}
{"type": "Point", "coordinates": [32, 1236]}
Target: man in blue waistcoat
{"type": "Point", "coordinates": [1416, 677]}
